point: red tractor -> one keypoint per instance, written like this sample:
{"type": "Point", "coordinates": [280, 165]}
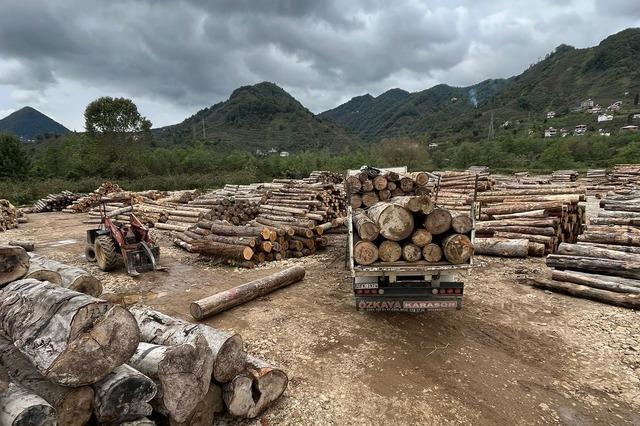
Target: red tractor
{"type": "Point", "coordinates": [131, 242]}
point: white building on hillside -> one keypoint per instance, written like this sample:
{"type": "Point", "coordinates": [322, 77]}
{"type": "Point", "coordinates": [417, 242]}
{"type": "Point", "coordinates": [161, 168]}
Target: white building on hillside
{"type": "Point", "coordinates": [605, 117]}
{"type": "Point", "coordinates": [551, 114]}
{"type": "Point", "coordinates": [550, 132]}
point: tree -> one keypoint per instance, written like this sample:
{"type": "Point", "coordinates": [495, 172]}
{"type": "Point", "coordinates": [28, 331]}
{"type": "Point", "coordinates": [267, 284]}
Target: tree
{"type": "Point", "coordinates": [114, 117]}
{"type": "Point", "coordinates": [14, 158]}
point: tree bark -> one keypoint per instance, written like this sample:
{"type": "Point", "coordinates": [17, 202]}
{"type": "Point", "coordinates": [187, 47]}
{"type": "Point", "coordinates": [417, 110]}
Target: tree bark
{"type": "Point", "coordinates": [366, 228]}
{"type": "Point", "coordinates": [73, 339]}
{"type": "Point", "coordinates": [204, 413]}
{"type": "Point", "coordinates": [224, 300]}
{"type": "Point", "coordinates": [14, 263]}
{"type": "Point", "coordinates": [631, 301]}
{"type": "Point", "coordinates": [38, 272]}
{"type": "Point", "coordinates": [595, 281]}
{"type": "Point", "coordinates": [389, 251]}
{"type": "Point", "coordinates": [227, 353]}
{"type": "Point", "coordinates": [457, 248]}
{"type": "Point", "coordinates": [438, 221]}
{"type": "Point", "coordinates": [618, 268]}
{"type": "Point", "coordinates": [601, 253]}
{"type": "Point", "coordinates": [394, 221]}
{"type": "Point", "coordinates": [72, 405]}
{"type": "Point", "coordinates": [242, 231]}
{"type": "Point", "coordinates": [20, 407]}
{"type": "Point", "coordinates": [233, 251]}
{"type": "Point", "coordinates": [73, 278]}
{"type": "Point", "coordinates": [501, 247]}
{"type": "Point", "coordinates": [254, 390]}
{"type": "Point", "coordinates": [432, 253]}
{"type": "Point", "coordinates": [175, 369]}
{"type": "Point", "coordinates": [611, 238]}
{"type": "Point", "coordinates": [124, 395]}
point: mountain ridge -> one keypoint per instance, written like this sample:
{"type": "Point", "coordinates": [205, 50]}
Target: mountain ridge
{"type": "Point", "coordinates": [28, 123]}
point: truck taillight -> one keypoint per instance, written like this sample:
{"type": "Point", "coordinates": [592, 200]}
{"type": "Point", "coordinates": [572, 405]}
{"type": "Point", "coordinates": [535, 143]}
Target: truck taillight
{"type": "Point", "coordinates": [457, 291]}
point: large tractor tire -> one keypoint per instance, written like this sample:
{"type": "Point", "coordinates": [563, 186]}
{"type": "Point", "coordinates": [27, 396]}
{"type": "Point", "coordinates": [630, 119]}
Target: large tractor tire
{"type": "Point", "coordinates": [106, 253]}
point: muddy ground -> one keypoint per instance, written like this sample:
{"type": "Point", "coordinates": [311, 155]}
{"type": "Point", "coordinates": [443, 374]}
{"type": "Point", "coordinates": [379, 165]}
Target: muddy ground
{"type": "Point", "coordinates": [513, 355]}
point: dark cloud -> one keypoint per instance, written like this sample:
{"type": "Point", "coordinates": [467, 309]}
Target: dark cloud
{"type": "Point", "coordinates": [179, 56]}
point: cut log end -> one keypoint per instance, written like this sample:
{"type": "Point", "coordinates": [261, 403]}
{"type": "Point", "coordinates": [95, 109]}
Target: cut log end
{"type": "Point", "coordinates": [230, 360]}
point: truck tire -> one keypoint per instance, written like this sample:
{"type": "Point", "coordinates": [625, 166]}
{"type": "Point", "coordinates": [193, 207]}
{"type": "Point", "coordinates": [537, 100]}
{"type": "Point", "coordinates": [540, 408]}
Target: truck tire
{"type": "Point", "coordinates": [106, 254]}
{"type": "Point", "coordinates": [90, 253]}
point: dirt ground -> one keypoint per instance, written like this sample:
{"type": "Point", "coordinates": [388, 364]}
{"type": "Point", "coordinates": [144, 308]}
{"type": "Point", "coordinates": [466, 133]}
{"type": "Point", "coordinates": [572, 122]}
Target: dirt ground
{"type": "Point", "coordinates": [513, 355]}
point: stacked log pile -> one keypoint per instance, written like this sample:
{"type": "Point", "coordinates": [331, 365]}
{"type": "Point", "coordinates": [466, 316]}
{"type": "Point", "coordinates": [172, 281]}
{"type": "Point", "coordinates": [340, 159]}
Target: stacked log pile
{"type": "Point", "coordinates": [605, 263]}
{"type": "Point", "coordinates": [324, 176]}
{"type": "Point", "coordinates": [236, 204]}
{"type": "Point", "coordinates": [626, 175]}
{"type": "Point", "coordinates": [83, 204]}
{"type": "Point", "coordinates": [541, 214]}
{"type": "Point", "coordinates": [8, 215]}
{"type": "Point", "coordinates": [455, 189]}
{"type": "Point", "coordinates": [598, 182]}
{"type": "Point", "coordinates": [372, 185]}
{"type": "Point", "coordinates": [101, 360]}
{"type": "Point", "coordinates": [560, 176]}
{"type": "Point", "coordinates": [410, 229]}
{"type": "Point", "coordinates": [54, 202]}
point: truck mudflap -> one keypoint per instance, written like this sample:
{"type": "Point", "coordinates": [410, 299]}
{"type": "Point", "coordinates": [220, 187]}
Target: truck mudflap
{"type": "Point", "coordinates": [376, 304]}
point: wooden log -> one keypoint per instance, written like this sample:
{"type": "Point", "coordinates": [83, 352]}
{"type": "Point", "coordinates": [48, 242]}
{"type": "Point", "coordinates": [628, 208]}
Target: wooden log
{"type": "Point", "coordinates": [204, 413]}
{"type": "Point", "coordinates": [73, 278]}
{"type": "Point", "coordinates": [611, 238]}
{"type": "Point", "coordinates": [143, 421]}
{"type": "Point", "coordinates": [365, 227]}
{"type": "Point", "coordinates": [232, 251]}
{"type": "Point", "coordinates": [380, 183]}
{"type": "Point", "coordinates": [432, 253]}
{"type": "Point", "coordinates": [596, 281]}
{"type": "Point", "coordinates": [14, 263]}
{"type": "Point", "coordinates": [27, 245]}
{"type": "Point", "coordinates": [410, 203]}
{"type": "Point", "coordinates": [597, 252]}
{"type": "Point", "coordinates": [501, 247]}
{"type": "Point", "coordinates": [354, 185]}
{"type": "Point", "coordinates": [457, 248]}
{"type": "Point", "coordinates": [421, 237]}
{"type": "Point", "coordinates": [227, 352]}
{"type": "Point", "coordinates": [520, 207]}
{"type": "Point", "coordinates": [240, 241]}
{"type": "Point", "coordinates": [411, 252]}
{"type": "Point", "coordinates": [242, 231]}
{"type": "Point", "coordinates": [224, 300]}
{"type": "Point", "coordinates": [626, 249]}
{"type": "Point", "coordinates": [384, 195]}
{"type": "Point", "coordinates": [618, 268]}
{"type": "Point", "coordinates": [438, 221]}
{"type": "Point", "coordinates": [370, 198]}
{"type": "Point", "coordinates": [529, 230]}
{"type": "Point", "coordinates": [365, 252]}
{"type": "Point", "coordinates": [462, 223]}
{"type": "Point", "coordinates": [175, 372]}
{"type": "Point", "coordinates": [356, 201]}
{"type": "Point", "coordinates": [527, 214]}
{"type": "Point", "coordinates": [389, 251]}
{"type": "Point", "coordinates": [394, 221]}
{"type": "Point", "coordinates": [85, 337]}
{"type": "Point", "coordinates": [170, 227]}
{"type": "Point", "coordinates": [21, 407]}
{"type": "Point", "coordinates": [631, 301]}
{"type": "Point", "coordinates": [124, 395]}
{"type": "Point", "coordinates": [73, 406]}
{"type": "Point", "coordinates": [260, 378]}
{"type": "Point", "coordinates": [536, 249]}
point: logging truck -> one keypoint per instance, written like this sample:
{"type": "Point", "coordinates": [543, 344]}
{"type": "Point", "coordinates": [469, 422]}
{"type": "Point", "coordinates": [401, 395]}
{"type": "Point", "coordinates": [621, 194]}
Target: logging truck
{"type": "Point", "coordinates": [407, 286]}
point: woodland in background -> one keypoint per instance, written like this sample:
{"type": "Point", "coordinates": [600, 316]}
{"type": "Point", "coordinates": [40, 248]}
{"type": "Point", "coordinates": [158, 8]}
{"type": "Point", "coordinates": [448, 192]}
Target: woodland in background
{"type": "Point", "coordinates": [79, 163]}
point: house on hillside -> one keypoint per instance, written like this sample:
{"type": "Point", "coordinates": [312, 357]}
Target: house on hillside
{"type": "Point", "coordinates": [602, 132]}
{"type": "Point", "coordinates": [605, 117]}
{"type": "Point", "coordinates": [550, 132]}
{"type": "Point", "coordinates": [284, 154]}
{"type": "Point", "coordinates": [564, 132]}
{"type": "Point", "coordinates": [635, 116]}
{"type": "Point", "coordinates": [595, 110]}
{"type": "Point", "coordinates": [551, 114]}
{"type": "Point", "coordinates": [454, 99]}
{"type": "Point", "coordinates": [580, 129]}
{"type": "Point", "coordinates": [629, 129]}
{"type": "Point", "coordinates": [433, 145]}
{"type": "Point", "coordinates": [506, 124]}
{"type": "Point", "coordinates": [587, 104]}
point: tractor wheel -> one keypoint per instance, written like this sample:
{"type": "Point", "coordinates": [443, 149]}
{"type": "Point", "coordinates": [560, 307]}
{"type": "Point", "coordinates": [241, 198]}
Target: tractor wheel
{"type": "Point", "coordinates": [90, 253]}
{"type": "Point", "coordinates": [106, 254]}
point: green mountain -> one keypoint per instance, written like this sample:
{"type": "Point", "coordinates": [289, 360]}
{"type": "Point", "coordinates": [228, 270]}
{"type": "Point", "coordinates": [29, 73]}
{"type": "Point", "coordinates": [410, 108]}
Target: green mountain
{"type": "Point", "coordinates": [605, 73]}
{"type": "Point", "coordinates": [28, 123]}
{"type": "Point", "coordinates": [259, 117]}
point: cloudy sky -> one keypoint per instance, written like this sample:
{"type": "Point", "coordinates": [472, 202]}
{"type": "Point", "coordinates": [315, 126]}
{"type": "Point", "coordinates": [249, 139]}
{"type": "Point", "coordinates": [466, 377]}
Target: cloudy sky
{"type": "Point", "coordinates": [174, 57]}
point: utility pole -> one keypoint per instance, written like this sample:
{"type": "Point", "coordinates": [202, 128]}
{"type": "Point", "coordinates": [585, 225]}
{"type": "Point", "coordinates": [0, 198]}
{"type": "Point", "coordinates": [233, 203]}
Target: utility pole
{"type": "Point", "coordinates": [492, 132]}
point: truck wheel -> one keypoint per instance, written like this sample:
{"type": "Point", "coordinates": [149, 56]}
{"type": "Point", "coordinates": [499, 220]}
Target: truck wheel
{"type": "Point", "coordinates": [90, 253]}
{"type": "Point", "coordinates": [106, 254]}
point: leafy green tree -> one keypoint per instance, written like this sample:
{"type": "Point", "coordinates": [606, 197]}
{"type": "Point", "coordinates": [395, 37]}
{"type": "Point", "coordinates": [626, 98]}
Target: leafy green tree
{"type": "Point", "coordinates": [114, 116]}
{"type": "Point", "coordinates": [14, 158]}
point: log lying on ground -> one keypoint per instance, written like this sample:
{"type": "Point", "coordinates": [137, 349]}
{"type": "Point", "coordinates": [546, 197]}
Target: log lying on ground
{"type": "Point", "coordinates": [227, 350]}
{"type": "Point", "coordinates": [173, 368]}
{"type": "Point", "coordinates": [394, 221]}
{"type": "Point", "coordinates": [597, 252]}
{"type": "Point", "coordinates": [14, 263]}
{"type": "Point", "coordinates": [204, 413]}
{"type": "Point", "coordinates": [610, 238]}
{"type": "Point", "coordinates": [123, 395]}
{"type": "Point", "coordinates": [72, 339]}
{"type": "Point", "coordinates": [631, 301]}
{"type": "Point", "coordinates": [73, 278]}
{"type": "Point", "coordinates": [618, 268]}
{"type": "Point", "coordinates": [38, 272]}
{"type": "Point", "coordinates": [251, 392]}
{"type": "Point", "coordinates": [139, 422]}
{"type": "Point", "coordinates": [597, 281]}
{"type": "Point", "coordinates": [21, 407]}
{"type": "Point", "coordinates": [224, 300]}
{"type": "Point", "coordinates": [73, 406]}
{"type": "Point", "coordinates": [27, 245]}
{"type": "Point", "coordinates": [501, 247]}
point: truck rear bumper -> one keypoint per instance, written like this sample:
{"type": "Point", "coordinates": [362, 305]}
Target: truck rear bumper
{"type": "Point", "coordinates": [421, 304]}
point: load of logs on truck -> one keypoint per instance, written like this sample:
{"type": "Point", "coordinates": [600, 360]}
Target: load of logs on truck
{"type": "Point", "coordinates": [406, 253]}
